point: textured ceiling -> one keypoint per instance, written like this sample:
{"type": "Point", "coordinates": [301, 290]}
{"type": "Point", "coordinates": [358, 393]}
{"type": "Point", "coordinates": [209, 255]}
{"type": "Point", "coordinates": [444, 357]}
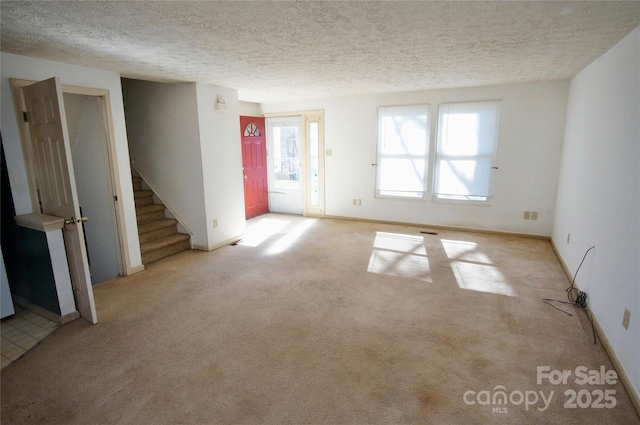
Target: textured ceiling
{"type": "Point", "coordinates": [272, 51]}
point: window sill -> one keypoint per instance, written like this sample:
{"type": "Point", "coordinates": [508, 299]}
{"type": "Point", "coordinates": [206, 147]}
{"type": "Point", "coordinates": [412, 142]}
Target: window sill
{"type": "Point", "coordinates": [402, 198]}
{"type": "Point", "coordinates": [486, 203]}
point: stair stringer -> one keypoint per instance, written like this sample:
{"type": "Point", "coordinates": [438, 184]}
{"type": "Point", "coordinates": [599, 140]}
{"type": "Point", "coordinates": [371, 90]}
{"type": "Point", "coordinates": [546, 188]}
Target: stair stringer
{"type": "Point", "coordinates": [169, 213]}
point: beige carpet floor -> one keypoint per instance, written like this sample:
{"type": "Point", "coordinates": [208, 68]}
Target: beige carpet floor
{"type": "Point", "coordinates": [325, 322]}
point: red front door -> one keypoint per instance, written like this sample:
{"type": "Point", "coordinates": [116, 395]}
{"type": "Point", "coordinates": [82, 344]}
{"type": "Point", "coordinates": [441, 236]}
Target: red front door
{"type": "Point", "coordinates": [254, 163]}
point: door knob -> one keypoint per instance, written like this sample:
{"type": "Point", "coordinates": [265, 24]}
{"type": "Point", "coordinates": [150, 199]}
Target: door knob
{"type": "Point", "coordinates": [70, 221]}
{"type": "Point", "coordinates": [83, 219]}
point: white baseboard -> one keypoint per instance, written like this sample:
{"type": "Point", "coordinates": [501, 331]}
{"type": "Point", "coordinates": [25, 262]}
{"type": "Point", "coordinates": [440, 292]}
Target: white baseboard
{"type": "Point", "coordinates": [229, 241]}
{"type": "Point", "coordinates": [438, 227]}
{"type": "Point", "coordinates": [134, 270]}
{"type": "Point", "coordinates": [622, 374]}
{"type": "Point", "coordinates": [633, 395]}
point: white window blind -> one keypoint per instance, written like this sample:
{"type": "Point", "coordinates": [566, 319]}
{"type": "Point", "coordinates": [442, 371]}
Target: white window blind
{"type": "Point", "coordinates": [467, 138]}
{"type": "Point", "coordinates": [403, 149]}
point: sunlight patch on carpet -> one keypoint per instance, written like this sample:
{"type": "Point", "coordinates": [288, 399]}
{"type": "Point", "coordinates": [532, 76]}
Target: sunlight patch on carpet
{"type": "Point", "coordinates": [464, 250]}
{"type": "Point", "coordinates": [262, 230]}
{"type": "Point", "coordinates": [396, 254]}
{"type": "Point", "coordinates": [474, 270]}
{"type": "Point", "coordinates": [482, 278]}
{"type": "Point", "coordinates": [290, 238]}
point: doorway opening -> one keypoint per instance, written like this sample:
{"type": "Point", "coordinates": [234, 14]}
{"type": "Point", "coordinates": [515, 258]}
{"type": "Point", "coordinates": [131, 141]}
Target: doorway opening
{"type": "Point", "coordinates": [52, 149]}
{"type": "Point", "coordinates": [92, 145]}
{"type": "Point", "coordinates": [295, 143]}
{"type": "Point", "coordinates": [94, 182]}
{"type": "Point", "coordinates": [285, 167]}
{"type": "Point", "coordinates": [284, 171]}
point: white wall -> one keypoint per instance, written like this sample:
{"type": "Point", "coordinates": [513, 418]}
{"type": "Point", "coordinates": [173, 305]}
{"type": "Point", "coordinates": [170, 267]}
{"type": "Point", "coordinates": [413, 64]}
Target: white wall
{"type": "Point", "coordinates": [249, 109]}
{"type": "Point", "coordinates": [221, 164]}
{"type": "Point", "coordinates": [164, 141]}
{"type": "Point", "coordinates": [21, 67]}
{"type": "Point", "coordinates": [599, 194]}
{"type": "Point", "coordinates": [529, 147]}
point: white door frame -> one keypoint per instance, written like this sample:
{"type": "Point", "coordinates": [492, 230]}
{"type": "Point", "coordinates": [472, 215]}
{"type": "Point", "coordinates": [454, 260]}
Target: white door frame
{"type": "Point", "coordinates": [306, 118]}
{"type": "Point", "coordinates": [124, 257]}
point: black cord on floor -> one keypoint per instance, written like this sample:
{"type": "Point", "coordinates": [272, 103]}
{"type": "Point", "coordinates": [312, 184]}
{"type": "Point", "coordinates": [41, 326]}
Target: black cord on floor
{"type": "Point", "coordinates": [549, 300]}
{"type": "Point", "coordinates": [575, 297]}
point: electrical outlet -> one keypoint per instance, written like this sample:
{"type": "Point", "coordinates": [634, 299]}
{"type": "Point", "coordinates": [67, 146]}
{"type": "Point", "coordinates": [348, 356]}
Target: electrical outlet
{"type": "Point", "coordinates": [355, 201]}
{"type": "Point", "coordinates": [215, 223]}
{"type": "Point", "coordinates": [568, 238]}
{"type": "Point", "coordinates": [527, 215]}
{"type": "Point", "coordinates": [329, 152]}
{"type": "Point", "coordinates": [625, 318]}
{"type": "Point", "coordinates": [534, 215]}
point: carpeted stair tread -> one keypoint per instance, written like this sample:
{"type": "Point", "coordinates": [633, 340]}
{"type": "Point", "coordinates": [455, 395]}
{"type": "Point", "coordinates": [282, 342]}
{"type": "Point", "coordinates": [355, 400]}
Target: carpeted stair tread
{"type": "Point", "coordinates": [142, 197]}
{"type": "Point", "coordinates": [149, 209]}
{"type": "Point", "coordinates": [163, 242]}
{"type": "Point", "coordinates": [136, 179]}
{"type": "Point", "coordinates": [142, 193]}
{"type": "Point", "coordinates": [155, 225]}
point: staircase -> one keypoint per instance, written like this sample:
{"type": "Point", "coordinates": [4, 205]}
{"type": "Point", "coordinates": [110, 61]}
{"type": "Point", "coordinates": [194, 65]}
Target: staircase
{"type": "Point", "coordinates": [159, 237]}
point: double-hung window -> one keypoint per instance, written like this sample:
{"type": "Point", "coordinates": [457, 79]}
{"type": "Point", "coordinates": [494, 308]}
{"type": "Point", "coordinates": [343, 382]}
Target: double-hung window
{"type": "Point", "coordinates": [403, 151]}
{"type": "Point", "coordinates": [465, 154]}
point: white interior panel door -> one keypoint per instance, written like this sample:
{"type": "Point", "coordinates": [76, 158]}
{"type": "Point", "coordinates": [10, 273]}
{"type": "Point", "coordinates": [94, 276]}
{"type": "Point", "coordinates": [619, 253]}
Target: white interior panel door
{"type": "Point", "coordinates": [285, 161]}
{"type": "Point", "coordinates": [56, 181]}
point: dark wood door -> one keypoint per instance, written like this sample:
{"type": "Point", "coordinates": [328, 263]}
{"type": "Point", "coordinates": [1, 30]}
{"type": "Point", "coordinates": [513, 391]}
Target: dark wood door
{"type": "Point", "coordinates": [254, 163]}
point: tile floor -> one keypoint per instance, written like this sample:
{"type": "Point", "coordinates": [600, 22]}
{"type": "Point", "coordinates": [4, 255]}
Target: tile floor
{"type": "Point", "coordinates": [21, 332]}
